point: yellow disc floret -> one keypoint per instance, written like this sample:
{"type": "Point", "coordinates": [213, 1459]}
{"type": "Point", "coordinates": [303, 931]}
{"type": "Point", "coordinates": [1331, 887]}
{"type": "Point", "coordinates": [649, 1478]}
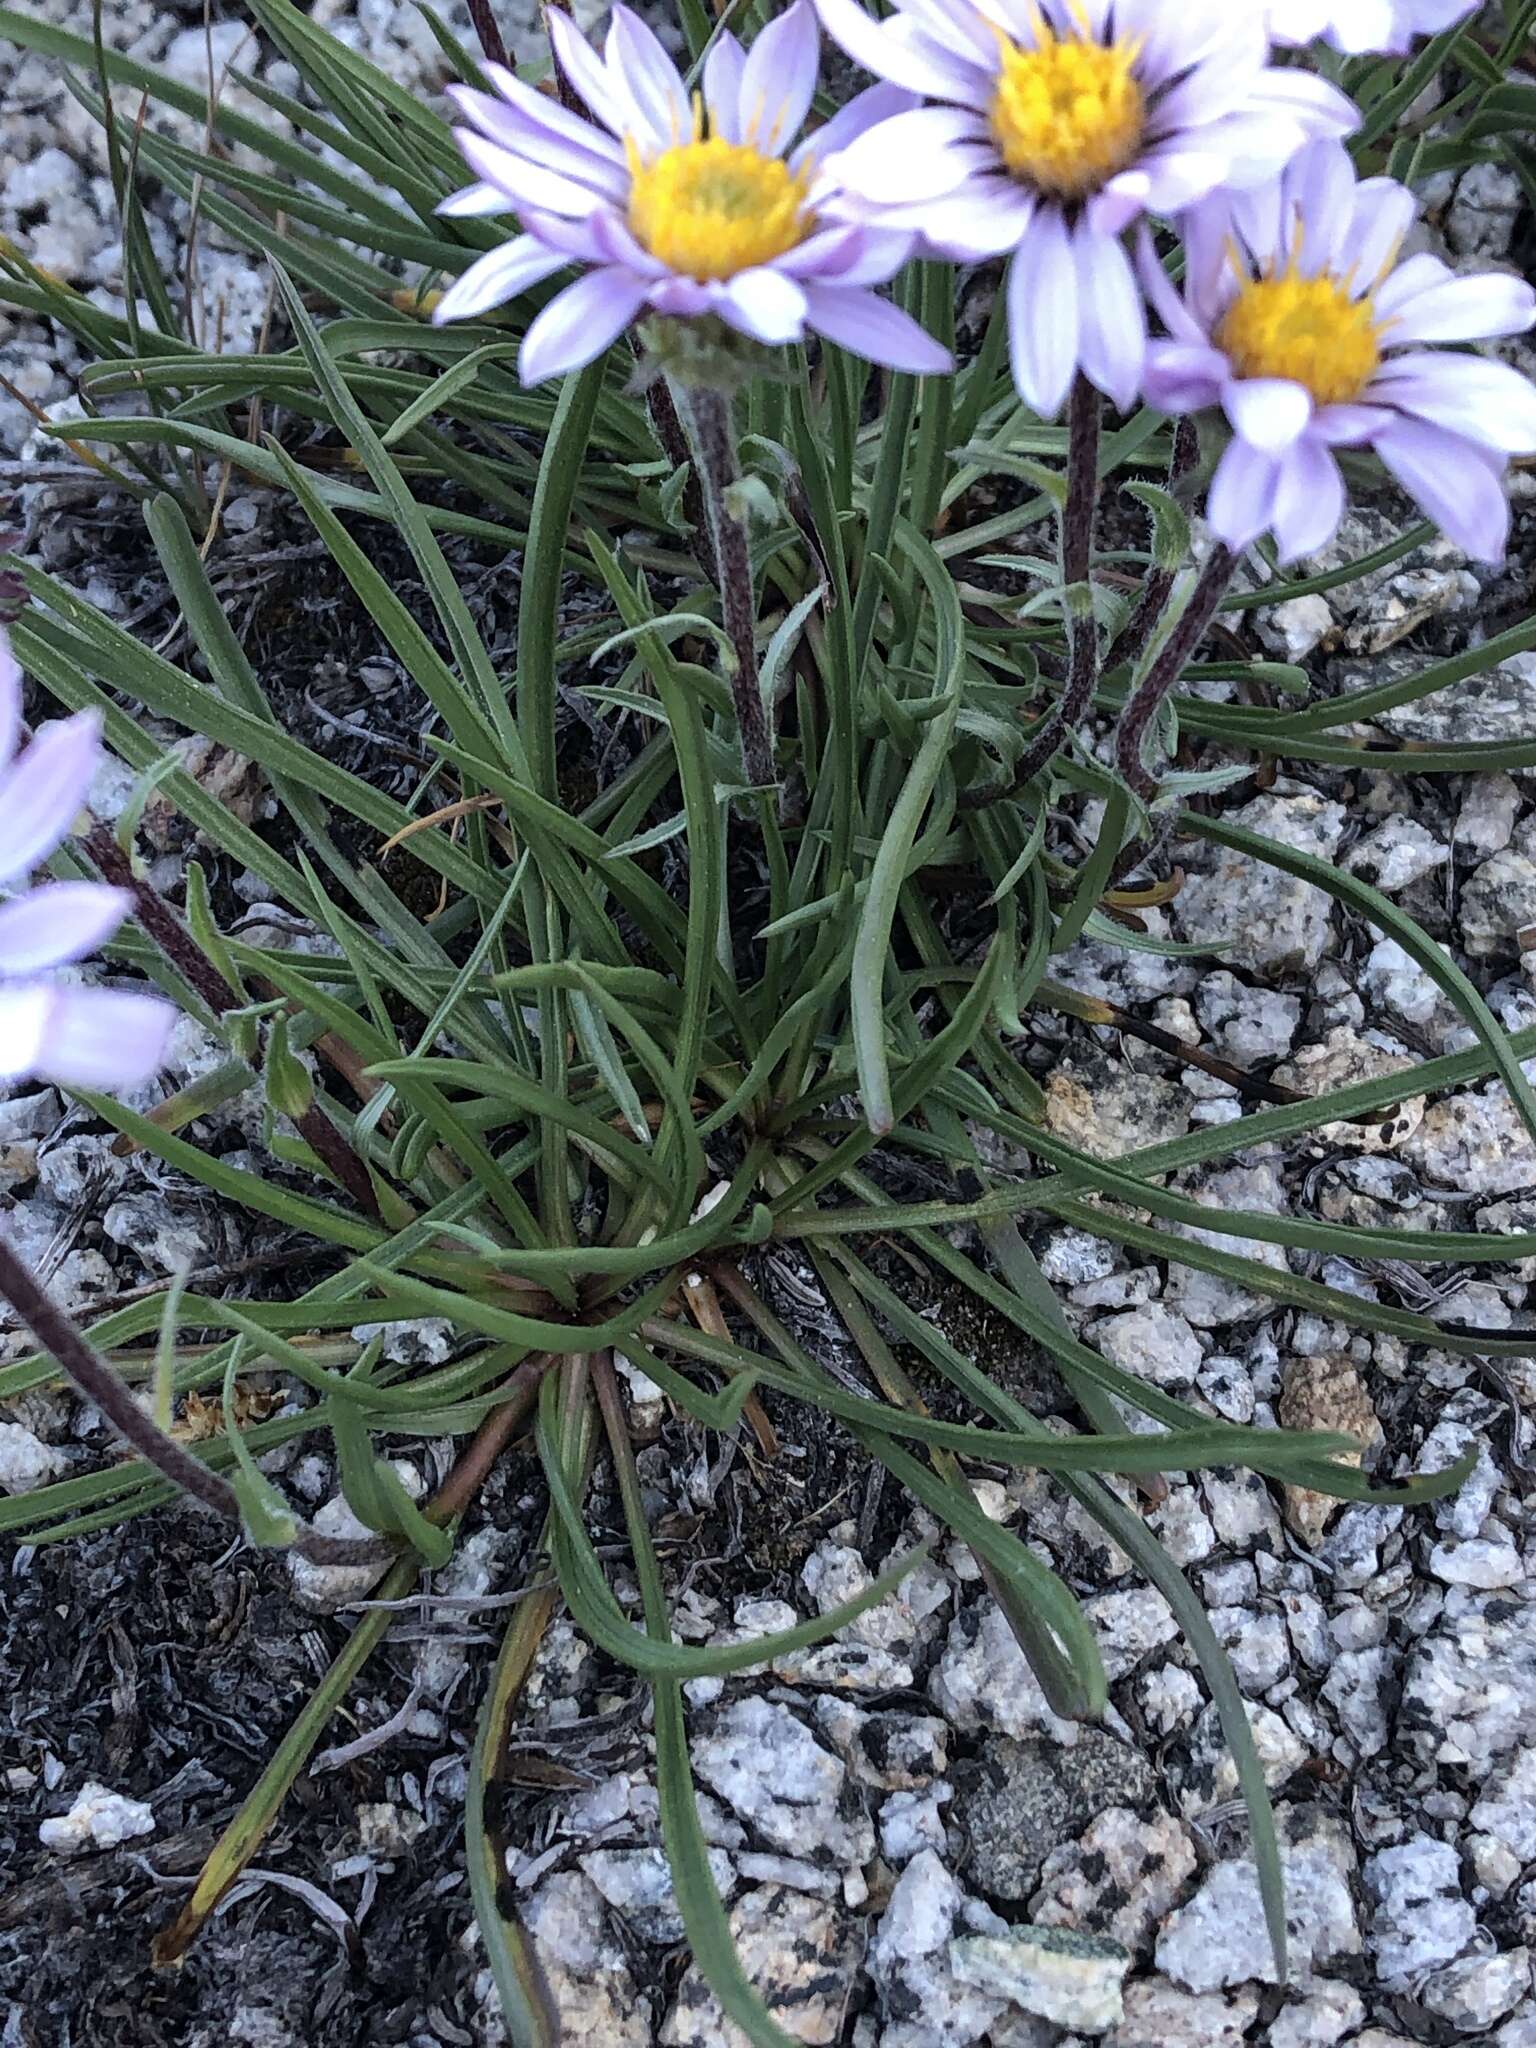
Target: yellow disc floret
{"type": "Point", "coordinates": [1308, 329]}
{"type": "Point", "coordinates": [710, 208]}
{"type": "Point", "coordinates": [1070, 113]}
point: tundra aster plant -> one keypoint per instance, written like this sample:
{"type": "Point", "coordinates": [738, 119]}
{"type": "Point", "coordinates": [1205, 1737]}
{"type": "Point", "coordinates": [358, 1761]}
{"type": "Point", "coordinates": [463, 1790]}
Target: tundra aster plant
{"type": "Point", "coordinates": [624, 1013]}
{"type": "Point", "coordinates": [1056, 124]}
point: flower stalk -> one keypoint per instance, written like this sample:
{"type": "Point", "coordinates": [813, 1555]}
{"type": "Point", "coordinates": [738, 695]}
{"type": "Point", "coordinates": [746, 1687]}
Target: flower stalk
{"type": "Point", "coordinates": [1147, 698]}
{"type": "Point", "coordinates": [707, 411]}
{"type": "Point", "coordinates": [1130, 642]}
{"type": "Point", "coordinates": [92, 1376]}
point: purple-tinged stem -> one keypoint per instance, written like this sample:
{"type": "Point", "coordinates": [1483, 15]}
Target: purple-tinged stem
{"type": "Point", "coordinates": [492, 48]}
{"type": "Point", "coordinates": [91, 1376]}
{"type": "Point", "coordinates": [674, 445]}
{"type": "Point", "coordinates": [709, 417]}
{"type": "Point", "coordinates": [1147, 698]}
{"type": "Point", "coordinates": [1158, 586]}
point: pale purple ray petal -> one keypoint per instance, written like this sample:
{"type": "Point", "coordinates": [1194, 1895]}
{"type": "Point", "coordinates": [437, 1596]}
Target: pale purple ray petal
{"type": "Point", "coordinates": [958, 74]}
{"type": "Point", "coordinates": [684, 298]}
{"type": "Point", "coordinates": [1209, 91]}
{"type": "Point", "coordinates": [921, 155]}
{"type": "Point", "coordinates": [829, 251]}
{"type": "Point", "coordinates": [603, 168]}
{"type": "Point", "coordinates": [1417, 274]}
{"type": "Point", "coordinates": [1384, 212]}
{"type": "Point", "coordinates": [765, 304]}
{"type": "Point", "coordinates": [1210, 281]}
{"type": "Point", "coordinates": [530, 184]}
{"type": "Point", "coordinates": [634, 52]}
{"type": "Point", "coordinates": [10, 699]}
{"type": "Point", "coordinates": [1460, 485]}
{"type": "Point", "coordinates": [1161, 296]}
{"type": "Point", "coordinates": [24, 1015]}
{"type": "Point", "coordinates": [1319, 106]}
{"type": "Point", "coordinates": [575, 327]}
{"type": "Point", "coordinates": [1241, 502]}
{"type": "Point", "coordinates": [722, 86]}
{"type": "Point", "coordinates": [1114, 321]}
{"type": "Point", "coordinates": [872, 327]}
{"type": "Point", "coordinates": [1321, 186]}
{"type": "Point", "coordinates": [969, 22]}
{"type": "Point", "coordinates": [473, 201]}
{"type": "Point", "coordinates": [1465, 309]}
{"type": "Point", "coordinates": [987, 217]}
{"type": "Point", "coordinates": [1120, 203]}
{"type": "Point", "coordinates": [1263, 217]}
{"type": "Point", "coordinates": [500, 274]}
{"type": "Point", "coordinates": [1468, 395]}
{"type": "Point", "coordinates": [544, 111]}
{"type": "Point", "coordinates": [1298, 21]}
{"type": "Point", "coordinates": [1253, 145]}
{"type": "Point", "coordinates": [58, 922]}
{"type": "Point", "coordinates": [1043, 323]}
{"type": "Point", "coordinates": [1183, 376]}
{"type": "Point", "coordinates": [780, 78]}
{"type": "Point", "coordinates": [877, 103]}
{"type": "Point", "coordinates": [1350, 426]}
{"type": "Point", "coordinates": [613, 243]}
{"type": "Point", "coordinates": [850, 255]}
{"type": "Point", "coordinates": [913, 62]}
{"type": "Point", "coordinates": [603, 238]}
{"type": "Point", "coordinates": [1267, 412]}
{"type": "Point", "coordinates": [43, 791]}
{"type": "Point", "coordinates": [1176, 39]}
{"type": "Point", "coordinates": [104, 1038]}
{"type": "Point", "coordinates": [586, 72]}
{"type": "Point", "coordinates": [1309, 499]}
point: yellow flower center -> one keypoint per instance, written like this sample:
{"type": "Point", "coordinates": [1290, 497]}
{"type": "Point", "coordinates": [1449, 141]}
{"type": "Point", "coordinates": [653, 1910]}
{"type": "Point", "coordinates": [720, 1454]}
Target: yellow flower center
{"type": "Point", "coordinates": [1307, 329]}
{"type": "Point", "coordinates": [709, 208]}
{"type": "Point", "coordinates": [1070, 113]}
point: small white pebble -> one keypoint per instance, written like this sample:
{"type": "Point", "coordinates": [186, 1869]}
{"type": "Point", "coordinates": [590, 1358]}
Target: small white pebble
{"type": "Point", "coordinates": [99, 1819]}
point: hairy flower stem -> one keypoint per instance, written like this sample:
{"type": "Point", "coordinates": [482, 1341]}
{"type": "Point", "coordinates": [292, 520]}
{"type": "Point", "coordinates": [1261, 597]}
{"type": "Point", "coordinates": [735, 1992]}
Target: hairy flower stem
{"type": "Point", "coordinates": [674, 445]}
{"type": "Point", "coordinates": [91, 1376]}
{"type": "Point", "coordinates": [1077, 517]}
{"type": "Point", "coordinates": [491, 45]}
{"type": "Point", "coordinates": [1158, 587]}
{"type": "Point", "coordinates": [1147, 698]}
{"type": "Point", "coordinates": [203, 977]}
{"type": "Point", "coordinates": [708, 414]}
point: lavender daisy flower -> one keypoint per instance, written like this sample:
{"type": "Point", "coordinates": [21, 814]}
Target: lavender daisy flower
{"type": "Point", "coordinates": [1063, 121]}
{"type": "Point", "coordinates": [1299, 322]}
{"type": "Point", "coordinates": [1358, 25]}
{"type": "Point", "coordinates": [690, 209]}
{"type": "Point", "coordinates": [80, 1037]}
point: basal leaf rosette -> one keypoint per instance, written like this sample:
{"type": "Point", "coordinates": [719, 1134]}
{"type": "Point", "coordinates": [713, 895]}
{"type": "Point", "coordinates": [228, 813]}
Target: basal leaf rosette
{"type": "Point", "coordinates": [50, 1029]}
{"type": "Point", "coordinates": [1059, 123]}
{"type": "Point", "coordinates": [1299, 323]}
{"type": "Point", "coordinates": [688, 207]}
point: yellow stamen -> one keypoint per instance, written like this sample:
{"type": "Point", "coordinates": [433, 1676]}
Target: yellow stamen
{"type": "Point", "coordinates": [709, 208]}
{"type": "Point", "coordinates": [1070, 113]}
{"type": "Point", "coordinates": [1307, 329]}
